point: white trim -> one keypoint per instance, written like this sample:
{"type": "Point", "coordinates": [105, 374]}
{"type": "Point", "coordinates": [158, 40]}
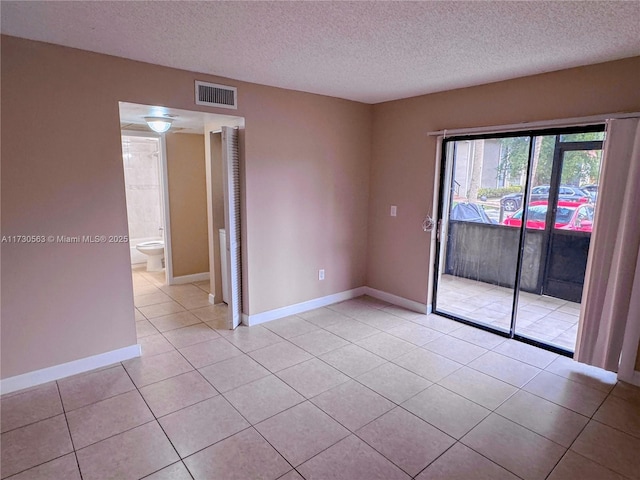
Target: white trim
{"type": "Point", "coordinates": [396, 300]}
{"type": "Point", "coordinates": [212, 299]}
{"type": "Point", "coordinates": [63, 370]}
{"type": "Point", "coordinates": [194, 277]}
{"type": "Point", "coordinates": [166, 233]}
{"type": "Point", "coordinates": [269, 315]}
{"type": "Point", "coordinates": [564, 122]}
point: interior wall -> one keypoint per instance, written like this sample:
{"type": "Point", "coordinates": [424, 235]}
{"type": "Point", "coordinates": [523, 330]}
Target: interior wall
{"type": "Point", "coordinates": [305, 159]}
{"type": "Point", "coordinates": [216, 199]}
{"type": "Point", "coordinates": [404, 157]}
{"type": "Point", "coordinates": [187, 203]}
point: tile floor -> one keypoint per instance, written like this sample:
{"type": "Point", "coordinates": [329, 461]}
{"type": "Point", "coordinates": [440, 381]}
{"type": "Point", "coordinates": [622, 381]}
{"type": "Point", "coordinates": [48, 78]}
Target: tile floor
{"type": "Point", "coordinates": [540, 317]}
{"type": "Point", "coordinates": [357, 390]}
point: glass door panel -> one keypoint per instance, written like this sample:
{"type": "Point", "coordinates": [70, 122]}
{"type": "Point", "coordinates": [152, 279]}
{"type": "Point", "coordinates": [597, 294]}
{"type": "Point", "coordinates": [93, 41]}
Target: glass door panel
{"type": "Point", "coordinates": [548, 309]}
{"type": "Point", "coordinates": [478, 252]}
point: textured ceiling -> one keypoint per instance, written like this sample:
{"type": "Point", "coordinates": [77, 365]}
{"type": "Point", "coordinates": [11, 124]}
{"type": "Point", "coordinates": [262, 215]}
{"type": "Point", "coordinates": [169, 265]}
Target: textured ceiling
{"type": "Point", "coordinates": [365, 51]}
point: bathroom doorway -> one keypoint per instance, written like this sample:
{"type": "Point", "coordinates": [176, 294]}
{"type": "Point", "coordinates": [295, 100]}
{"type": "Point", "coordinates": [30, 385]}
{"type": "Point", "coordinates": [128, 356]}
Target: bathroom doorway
{"type": "Point", "coordinates": [145, 173]}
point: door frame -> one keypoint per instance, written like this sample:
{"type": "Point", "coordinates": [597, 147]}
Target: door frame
{"type": "Point", "coordinates": [444, 204]}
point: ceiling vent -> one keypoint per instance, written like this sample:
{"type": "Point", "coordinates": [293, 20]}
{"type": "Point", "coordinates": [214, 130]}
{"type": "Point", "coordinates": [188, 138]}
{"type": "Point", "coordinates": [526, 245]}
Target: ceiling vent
{"type": "Point", "coordinates": [214, 95]}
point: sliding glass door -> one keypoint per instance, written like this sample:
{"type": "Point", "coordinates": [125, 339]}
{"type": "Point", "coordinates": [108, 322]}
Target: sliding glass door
{"type": "Point", "coordinates": [507, 261]}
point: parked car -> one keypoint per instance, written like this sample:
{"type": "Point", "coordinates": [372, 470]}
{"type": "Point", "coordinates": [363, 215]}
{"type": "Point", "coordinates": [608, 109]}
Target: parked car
{"type": "Point", "coordinates": [513, 201]}
{"type": "Point", "coordinates": [574, 216]}
{"type": "Point", "coordinates": [592, 190]}
{"type": "Point", "coordinates": [470, 212]}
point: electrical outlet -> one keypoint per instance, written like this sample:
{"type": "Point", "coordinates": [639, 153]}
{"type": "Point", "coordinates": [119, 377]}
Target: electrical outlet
{"type": "Point", "coordinates": [394, 210]}
{"type": "Point", "coordinates": [321, 274]}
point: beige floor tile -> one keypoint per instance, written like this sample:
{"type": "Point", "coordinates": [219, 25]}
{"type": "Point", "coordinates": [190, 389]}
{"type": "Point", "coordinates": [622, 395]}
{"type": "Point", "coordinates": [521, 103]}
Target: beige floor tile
{"type": "Point", "coordinates": [177, 471]}
{"type": "Point", "coordinates": [233, 373]}
{"type": "Point", "coordinates": [198, 426]}
{"type": "Point", "coordinates": [586, 374]}
{"type": "Point", "coordinates": [161, 309]}
{"type": "Point", "coordinates": [61, 468]}
{"type": "Point", "coordinates": [513, 447]}
{"type": "Point", "coordinates": [386, 346]}
{"type": "Point", "coordinates": [154, 344]}
{"type": "Point", "coordinates": [87, 388]}
{"type": "Point", "coordinates": [462, 463]}
{"type": "Point", "coordinates": [183, 337]}
{"type": "Point", "coordinates": [529, 354]}
{"type": "Point", "coordinates": [173, 321]}
{"type": "Point", "coordinates": [301, 432]}
{"type": "Point", "coordinates": [144, 328]}
{"type": "Point", "coordinates": [248, 339]}
{"type": "Point", "coordinates": [543, 417]}
{"type": "Point", "coordinates": [352, 404]}
{"type": "Point", "coordinates": [176, 291]}
{"type": "Point", "coordinates": [34, 444]}
{"type": "Point", "coordinates": [448, 411]}
{"type": "Point", "coordinates": [576, 467]}
{"type": "Point", "coordinates": [144, 288]}
{"type": "Point", "coordinates": [455, 349]}
{"type": "Point", "coordinates": [402, 312]}
{"type": "Point", "coordinates": [212, 312]}
{"type": "Point", "coordinates": [627, 391]}
{"type": "Point", "coordinates": [567, 393]}
{"type": "Point", "coordinates": [478, 387]}
{"type": "Point", "coordinates": [279, 356]}
{"type": "Point", "coordinates": [611, 448]}
{"type": "Point", "coordinates": [177, 392]}
{"type": "Point", "coordinates": [427, 364]}
{"type": "Point", "coordinates": [207, 353]}
{"type": "Point", "coordinates": [350, 459]}
{"type": "Point", "coordinates": [263, 398]}
{"type": "Point", "coordinates": [504, 368]}
{"type": "Point", "coordinates": [394, 382]}
{"type": "Point", "coordinates": [436, 322]}
{"type": "Point", "coordinates": [194, 300]}
{"type": "Point", "coordinates": [150, 299]}
{"type": "Point", "coordinates": [322, 317]}
{"type": "Point", "coordinates": [132, 454]}
{"type": "Point", "coordinates": [30, 406]}
{"type": "Point", "coordinates": [380, 319]}
{"type": "Point", "coordinates": [352, 330]}
{"type": "Point", "coordinates": [147, 370]}
{"type": "Point", "coordinates": [414, 333]}
{"type": "Point", "coordinates": [352, 360]}
{"type": "Point", "coordinates": [406, 440]}
{"type": "Point", "coordinates": [312, 377]}
{"type": "Point", "coordinates": [621, 414]}
{"type": "Point", "coordinates": [289, 327]}
{"type": "Point", "coordinates": [292, 475]}
{"type": "Point", "coordinates": [106, 418]}
{"type": "Point", "coordinates": [478, 337]}
{"type": "Point", "coordinates": [350, 308]}
{"type": "Point", "coordinates": [245, 455]}
{"type": "Point", "coordinates": [319, 342]}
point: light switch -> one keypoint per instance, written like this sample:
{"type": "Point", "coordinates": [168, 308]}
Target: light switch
{"type": "Point", "coordinates": [394, 210]}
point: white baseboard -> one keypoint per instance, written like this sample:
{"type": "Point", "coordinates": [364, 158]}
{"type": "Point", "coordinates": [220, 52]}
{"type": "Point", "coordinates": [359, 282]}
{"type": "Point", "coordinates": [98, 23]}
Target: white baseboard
{"type": "Point", "coordinates": [57, 372]}
{"type": "Point", "coordinates": [269, 315]}
{"type": "Point", "coordinates": [212, 299]}
{"type": "Point", "coordinates": [399, 301]}
{"type": "Point", "coordinates": [196, 277]}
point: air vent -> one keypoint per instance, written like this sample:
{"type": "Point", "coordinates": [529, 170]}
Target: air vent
{"type": "Point", "coordinates": [214, 95]}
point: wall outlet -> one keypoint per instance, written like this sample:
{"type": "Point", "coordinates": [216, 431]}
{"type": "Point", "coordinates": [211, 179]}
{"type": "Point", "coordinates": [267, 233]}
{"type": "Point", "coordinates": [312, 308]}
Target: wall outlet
{"type": "Point", "coordinates": [321, 274]}
{"type": "Point", "coordinates": [394, 210]}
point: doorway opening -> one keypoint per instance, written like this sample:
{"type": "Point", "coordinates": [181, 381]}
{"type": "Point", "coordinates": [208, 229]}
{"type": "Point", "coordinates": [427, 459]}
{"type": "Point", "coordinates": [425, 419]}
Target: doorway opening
{"type": "Point", "coordinates": [515, 222]}
{"type": "Point", "coordinates": [183, 285]}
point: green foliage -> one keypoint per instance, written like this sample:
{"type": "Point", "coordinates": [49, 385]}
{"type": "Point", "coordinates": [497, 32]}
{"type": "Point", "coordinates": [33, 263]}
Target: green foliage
{"type": "Point", "coordinates": [498, 192]}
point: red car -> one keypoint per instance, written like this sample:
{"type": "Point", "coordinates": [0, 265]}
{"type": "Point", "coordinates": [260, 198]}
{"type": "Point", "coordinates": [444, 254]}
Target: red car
{"type": "Point", "coordinates": [576, 216]}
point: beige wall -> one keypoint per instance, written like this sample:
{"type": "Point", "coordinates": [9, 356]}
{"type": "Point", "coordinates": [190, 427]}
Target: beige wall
{"type": "Point", "coordinates": [187, 203]}
{"type": "Point", "coordinates": [306, 162]}
{"type": "Point", "coordinates": [403, 159]}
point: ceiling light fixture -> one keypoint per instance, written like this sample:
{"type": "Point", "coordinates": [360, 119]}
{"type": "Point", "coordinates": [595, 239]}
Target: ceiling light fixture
{"type": "Point", "coordinates": [159, 124]}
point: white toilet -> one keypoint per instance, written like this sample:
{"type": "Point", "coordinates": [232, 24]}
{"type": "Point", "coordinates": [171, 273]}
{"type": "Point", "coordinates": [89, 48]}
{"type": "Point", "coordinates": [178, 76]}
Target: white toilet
{"type": "Point", "coordinates": [154, 251]}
